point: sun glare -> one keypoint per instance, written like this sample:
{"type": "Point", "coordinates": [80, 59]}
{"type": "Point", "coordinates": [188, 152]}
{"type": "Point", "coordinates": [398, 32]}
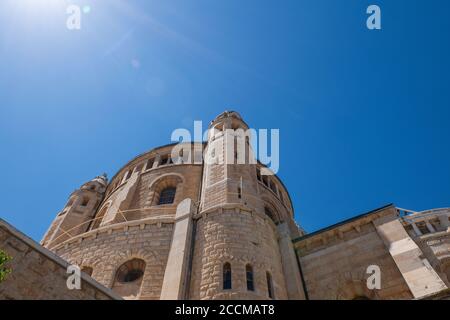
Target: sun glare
{"type": "Point", "coordinates": [37, 7]}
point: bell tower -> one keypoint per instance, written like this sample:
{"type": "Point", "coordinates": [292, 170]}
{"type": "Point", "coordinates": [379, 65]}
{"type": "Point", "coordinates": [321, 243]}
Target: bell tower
{"type": "Point", "coordinates": [75, 217]}
{"type": "Point", "coordinates": [230, 165]}
{"type": "Point", "coordinates": [240, 251]}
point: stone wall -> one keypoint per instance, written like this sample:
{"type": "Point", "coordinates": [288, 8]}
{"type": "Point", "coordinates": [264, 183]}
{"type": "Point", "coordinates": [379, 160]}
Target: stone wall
{"type": "Point", "coordinates": [106, 249]}
{"type": "Point", "coordinates": [334, 262]}
{"type": "Point", "coordinates": [136, 198]}
{"type": "Point", "coordinates": [37, 273]}
{"type": "Point", "coordinates": [239, 237]}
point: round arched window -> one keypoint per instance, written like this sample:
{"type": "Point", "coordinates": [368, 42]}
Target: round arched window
{"type": "Point", "coordinates": [167, 196]}
{"type": "Point", "coordinates": [131, 271]}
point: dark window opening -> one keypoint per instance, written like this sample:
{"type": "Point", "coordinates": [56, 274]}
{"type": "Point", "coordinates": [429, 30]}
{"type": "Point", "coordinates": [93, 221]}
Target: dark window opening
{"type": "Point", "coordinates": [167, 196]}
{"type": "Point", "coordinates": [423, 228]}
{"type": "Point", "coordinates": [226, 276]}
{"type": "Point", "coordinates": [62, 213]}
{"type": "Point", "coordinates": [149, 164]}
{"type": "Point", "coordinates": [129, 174]}
{"type": "Point", "coordinates": [131, 271]}
{"type": "Point", "coordinates": [164, 160]}
{"type": "Point", "coordinates": [265, 180]}
{"type": "Point", "coordinates": [249, 274]}
{"type": "Point", "coordinates": [133, 275]}
{"type": "Point", "coordinates": [85, 202]}
{"type": "Point", "coordinates": [258, 174]}
{"type": "Point", "coordinates": [273, 187]}
{"type": "Point", "coordinates": [269, 285]}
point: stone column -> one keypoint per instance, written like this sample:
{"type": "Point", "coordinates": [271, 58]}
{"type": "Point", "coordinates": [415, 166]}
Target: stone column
{"type": "Point", "coordinates": [416, 270]}
{"type": "Point", "coordinates": [175, 276]}
{"type": "Point", "coordinates": [416, 229]}
{"type": "Point", "coordinates": [157, 161]}
{"type": "Point", "coordinates": [429, 226]}
{"type": "Point", "coordinates": [121, 201]}
{"type": "Point", "coordinates": [445, 223]}
{"type": "Point", "coordinates": [294, 286]}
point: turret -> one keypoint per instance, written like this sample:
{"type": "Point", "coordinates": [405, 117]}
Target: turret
{"type": "Point", "coordinates": [78, 212]}
{"type": "Point", "coordinates": [243, 247]}
{"type": "Point", "coordinates": [230, 169]}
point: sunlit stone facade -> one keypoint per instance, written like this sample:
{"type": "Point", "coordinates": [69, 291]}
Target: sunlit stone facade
{"type": "Point", "coordinates": [218, 230]}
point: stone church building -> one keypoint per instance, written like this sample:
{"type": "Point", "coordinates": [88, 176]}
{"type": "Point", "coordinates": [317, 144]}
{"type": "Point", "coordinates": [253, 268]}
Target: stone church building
{"type": "Point", "coordinates": [190, 229]}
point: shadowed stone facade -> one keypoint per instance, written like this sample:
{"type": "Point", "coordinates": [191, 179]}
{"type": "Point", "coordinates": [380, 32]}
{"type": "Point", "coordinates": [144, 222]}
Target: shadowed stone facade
{"type": "Point", "coordinates": [37, 273]}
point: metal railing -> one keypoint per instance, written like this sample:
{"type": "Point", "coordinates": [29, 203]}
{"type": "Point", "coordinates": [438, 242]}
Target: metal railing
{"type": "Point", "coordinates": [122, 214]}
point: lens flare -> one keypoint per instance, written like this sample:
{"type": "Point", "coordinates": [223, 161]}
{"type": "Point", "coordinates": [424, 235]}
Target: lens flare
{"type": "Point", "coordinates": [87, 9]}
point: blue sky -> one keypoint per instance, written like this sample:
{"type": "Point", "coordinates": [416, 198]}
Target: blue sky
{"type": "Point", "coordinates": [363, 115]}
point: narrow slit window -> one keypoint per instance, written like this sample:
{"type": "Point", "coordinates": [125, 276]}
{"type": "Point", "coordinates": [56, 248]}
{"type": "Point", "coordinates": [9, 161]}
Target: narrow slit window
{"type": "Point", "coordinates": [265, 180]}
{"type": "Point", "coordinates": [273, 187]}
{"type": "Point", "coordinates": [149, 164]}
{"type": "Point", "coordinates": [226, 276]}
{"type": "Point", "coordinates": [249, 275]}
{"type": "Point", "coordinates": [269, 285]}
{"type": "Point", "coordinates": [258, 174]}
{"type": "Point", "coordinates": [85, 202]}
{"type": "Point", "coordinates": [129, 174]}
{"type": "Point", "coordinates": [164, 161]}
